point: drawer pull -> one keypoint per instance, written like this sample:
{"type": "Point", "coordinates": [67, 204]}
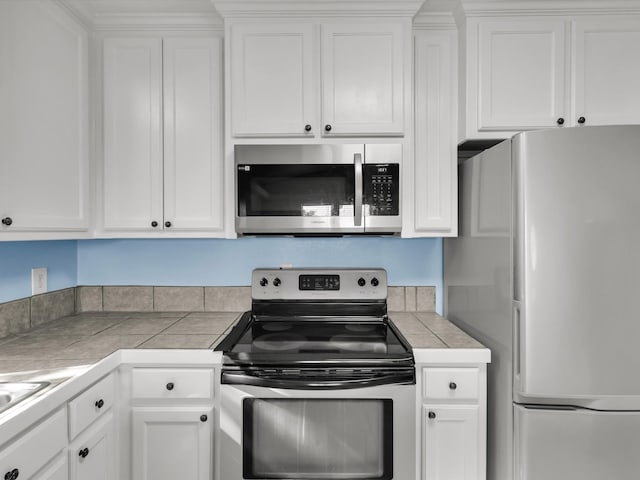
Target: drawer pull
{"type": "Point", "coordinates": [432, 415]}
{"type": "Point", "coordinates": [203, 418]}
{"type": "Point", "coordinates": [170, 386]}
{"type": "Point", "coordinates": [100, 403]}
{"type": "Point", "coordinates": [83, 453]}
{"type": "Point", "coordinates": [452, 385]}
{"type": "Point", "coordinates": [12, 475]}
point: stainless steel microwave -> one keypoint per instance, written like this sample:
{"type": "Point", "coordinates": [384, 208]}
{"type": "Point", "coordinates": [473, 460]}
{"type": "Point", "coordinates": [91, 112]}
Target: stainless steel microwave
{"type": "Point", "coordinates": [318, 189]}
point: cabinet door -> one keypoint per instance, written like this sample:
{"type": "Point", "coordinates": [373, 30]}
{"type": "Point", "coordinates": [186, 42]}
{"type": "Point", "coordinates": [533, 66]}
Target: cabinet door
{"type": "Point", "coordinates": [132, 168]}
{"type": "Point", "coordinates": [58, 469]}
{"type": "Point", "coordinates": [362, 79]}
{"type": "Point", "coordinates": [170, 443]}
{"type": "Point", "coordinates": [434, 180]}
{"type": "Point", "coordinates": [193, 169]}
{"type": "Point", "coordinates": [607, 71]}
{"type": "Point", "coordinates": [450, 443]}
{"type": "Point", "coordinates": [91, 456]}
{"type": "Point", "coordinates": [272, 80]}
{"type": "Point", "coordinates": [43, 118]}
{"type": "Point", "coordinates": [517, 75]}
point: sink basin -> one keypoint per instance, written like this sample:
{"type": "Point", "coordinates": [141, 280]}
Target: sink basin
{"type": "Point", "coordinates": [13, 392]}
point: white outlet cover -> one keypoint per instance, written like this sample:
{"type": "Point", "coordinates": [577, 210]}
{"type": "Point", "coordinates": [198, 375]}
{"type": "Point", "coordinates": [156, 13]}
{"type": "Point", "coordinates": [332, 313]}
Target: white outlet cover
{"type": "Point", "coordinates": [38, 280]}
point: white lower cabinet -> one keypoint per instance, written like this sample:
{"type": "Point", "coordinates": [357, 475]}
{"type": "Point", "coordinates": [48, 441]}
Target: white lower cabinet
{"type": "Point", "coordinates": [58, 469]}
{"type": "Point", "coordinates": [91, 455]}
{"type": "Point", "coordinates": [450, 442]}
{"type": "Point", "coordinates": [453, 409]}
{"type": "Point", "coordinates": [172, 423]}
{"type": "Point", "coordinates": [172, 442]}
{"type": "Point", "coordinates": [27, 456]}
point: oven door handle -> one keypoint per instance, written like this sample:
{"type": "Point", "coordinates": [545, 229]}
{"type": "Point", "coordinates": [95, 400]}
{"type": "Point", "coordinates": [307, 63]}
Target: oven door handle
{"type": "Point", "coordinates": [324, 383]}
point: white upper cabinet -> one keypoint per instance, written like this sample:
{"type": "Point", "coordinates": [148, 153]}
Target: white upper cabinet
{"type": "Point", "coordinates": [44, 153]}
{"type": "Point", "coordinates": [273, 81]}
{"type": "Point", "coordinates": [132, 170]}
{"type": "Point", "coordinates": [517, 72]}
{"type": "Point", "coordinates": [607, 70]}
{"type": "Point", "coordinates": [162, 166]}
{"type": "Point", "coordinates": [431, 188]}
{"type": "Point", "coordinates": [316, 79]}
{"type": "Point", "coordinates": [530, 71]}
{"type": "Point", "coordinates": [362, 79]}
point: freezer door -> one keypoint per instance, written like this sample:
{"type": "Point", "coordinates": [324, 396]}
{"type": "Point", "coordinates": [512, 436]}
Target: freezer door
{"type": "Point", "coordinates": [577, 266]}
{"type": "Point", "coordinates": [576, 444]}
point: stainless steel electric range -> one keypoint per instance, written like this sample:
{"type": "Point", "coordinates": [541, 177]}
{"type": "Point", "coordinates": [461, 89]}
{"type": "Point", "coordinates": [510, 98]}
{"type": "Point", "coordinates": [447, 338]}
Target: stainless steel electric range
{"type": "Point", "coordinates": [317, 382]}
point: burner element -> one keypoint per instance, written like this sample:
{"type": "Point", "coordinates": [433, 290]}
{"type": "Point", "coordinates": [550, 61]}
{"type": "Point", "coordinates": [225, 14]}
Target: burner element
{"type": "Point", "coordinates": [278, 342]}
{"type": "Point", "coordinates": [275, 326]}
{"type": "Point", "coordinates": [357, 343]}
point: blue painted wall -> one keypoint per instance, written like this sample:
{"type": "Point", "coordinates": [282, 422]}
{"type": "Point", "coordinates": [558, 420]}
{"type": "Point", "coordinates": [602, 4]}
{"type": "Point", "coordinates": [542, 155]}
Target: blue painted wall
{"type": "Point", "coordinates": [18, 258]}
{"type": "Point", "coordinates": [214, 262]}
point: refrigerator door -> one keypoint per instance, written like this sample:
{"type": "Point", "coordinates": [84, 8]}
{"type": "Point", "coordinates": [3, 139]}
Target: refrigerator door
{"type": "Point", "coordinates": [576, 444]}
{"type": "Point", "coordinates": [577, 267]}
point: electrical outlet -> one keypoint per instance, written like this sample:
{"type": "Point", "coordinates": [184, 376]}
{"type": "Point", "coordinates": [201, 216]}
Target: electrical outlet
{"type": "Point", "coordinates": [38, 280]}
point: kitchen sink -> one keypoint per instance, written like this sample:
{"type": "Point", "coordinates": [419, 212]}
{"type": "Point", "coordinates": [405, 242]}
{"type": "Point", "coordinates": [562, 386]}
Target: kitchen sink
{"type": "Point", "coordinates": [13, 392]}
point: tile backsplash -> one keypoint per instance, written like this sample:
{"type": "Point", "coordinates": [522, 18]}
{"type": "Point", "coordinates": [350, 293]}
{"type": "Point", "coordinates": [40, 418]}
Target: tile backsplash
{"type": "Point", "coordinates": [21, 315]}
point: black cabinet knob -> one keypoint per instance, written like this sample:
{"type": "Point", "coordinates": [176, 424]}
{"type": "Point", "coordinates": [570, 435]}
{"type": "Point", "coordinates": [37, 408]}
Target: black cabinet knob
{"type": "Point", "coordinates": [432, 415]}
{"type": "Point", "coordinates": [154, 224]}
{"type": "Point", "coordinates": [560, 121]}
{"type": "Point", "coordinates": [12, 475]}
{"type": "Point", "coordinates": [7, 221]}
{"type": "Point", "coordinates": [83, 453]}
{"type": "Point", "coordinates": [327, 128]}
{"type": "Point", "coordinates": [581, 120]}
{"type": "Point", "coordinates": [203, 418]}
{"type": "Point", "coordinates": [167, 224]}
{"type": "Point", "coordinates": [170, 386]}
{"type": "Point", "coordinates": [307, 128]}
{"type": "Point", "coordinates": [100, 403]}
{"type": "Point", "coordinates": [362, 282]}
{"type": "Point", "coordinates": [452, 385]}
{"type": "Point", "coordinates": [277, 282]}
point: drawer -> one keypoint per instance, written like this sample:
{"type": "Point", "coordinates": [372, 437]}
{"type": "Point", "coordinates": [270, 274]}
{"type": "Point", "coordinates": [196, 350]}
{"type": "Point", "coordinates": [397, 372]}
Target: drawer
{"type": "Point", "coordinates": [90, 405]}
{"type": "Point", "coordinates": [30, 452]}
{"type": "Point", "coordinates": [450, 383]}
{"type": "Point", "coordinates": [168, 383]}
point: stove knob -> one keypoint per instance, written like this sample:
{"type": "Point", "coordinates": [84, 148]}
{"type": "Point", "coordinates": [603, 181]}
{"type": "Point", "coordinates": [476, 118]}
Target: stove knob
{"type": "Point", "coordinates": [375, 282]}
{"type": "Point", "coordinates": [362, 282]}
{"type": "Point", "coordinates": [276, 282]}
{"type": "Point", "coordinates": [264, 282]}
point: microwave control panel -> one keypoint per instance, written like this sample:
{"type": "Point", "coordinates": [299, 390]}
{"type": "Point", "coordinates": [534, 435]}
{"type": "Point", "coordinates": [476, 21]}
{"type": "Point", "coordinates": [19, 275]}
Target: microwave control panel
{"type": "Point", "coordinates": [381, 188]}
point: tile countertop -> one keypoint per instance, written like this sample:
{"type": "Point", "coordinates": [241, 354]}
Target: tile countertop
{"type": "Point", "coordinates": [81, 340]}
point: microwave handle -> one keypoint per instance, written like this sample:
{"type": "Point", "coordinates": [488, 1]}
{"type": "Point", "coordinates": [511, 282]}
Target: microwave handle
{"type": "Point", "coordinates": [357, 208]}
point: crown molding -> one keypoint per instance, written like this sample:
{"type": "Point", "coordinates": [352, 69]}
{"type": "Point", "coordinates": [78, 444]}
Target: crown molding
{"type": "Point", "coordinates": [145, 14]}
{"type": "Point", "coordinates": [434, 21]}
{"type": "Point", "coordinates": [310, 8]}
{"type": "Point", "coordinates": [473, 8]}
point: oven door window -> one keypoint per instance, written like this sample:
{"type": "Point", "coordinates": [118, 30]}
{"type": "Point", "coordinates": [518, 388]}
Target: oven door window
{"type": "Point", "coordinates": [318, 439]}
{"type": "Point", "coordinates": [296, 190]}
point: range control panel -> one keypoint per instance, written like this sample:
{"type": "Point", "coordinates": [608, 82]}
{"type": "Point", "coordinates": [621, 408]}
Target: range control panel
{"type": "Point", "coordinates": [320, 284]}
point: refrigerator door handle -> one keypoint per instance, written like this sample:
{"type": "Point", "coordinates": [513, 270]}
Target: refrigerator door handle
{"type": "Point", "coordinates": [517, 353]}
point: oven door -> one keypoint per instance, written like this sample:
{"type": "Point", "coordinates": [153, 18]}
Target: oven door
{"type": "Point", "coordinates": [299, 189]}
{"type": "Point", "coordinates": [365, 433]}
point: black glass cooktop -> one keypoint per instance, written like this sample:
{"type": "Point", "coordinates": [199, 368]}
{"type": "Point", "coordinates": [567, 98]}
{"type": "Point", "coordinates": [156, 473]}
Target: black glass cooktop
{"type": "Point", "coordinates": [295, 340]}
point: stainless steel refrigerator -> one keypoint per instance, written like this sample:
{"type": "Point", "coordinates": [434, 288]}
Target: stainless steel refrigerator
{"type": "Point", "coordinates": [546, 273]}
